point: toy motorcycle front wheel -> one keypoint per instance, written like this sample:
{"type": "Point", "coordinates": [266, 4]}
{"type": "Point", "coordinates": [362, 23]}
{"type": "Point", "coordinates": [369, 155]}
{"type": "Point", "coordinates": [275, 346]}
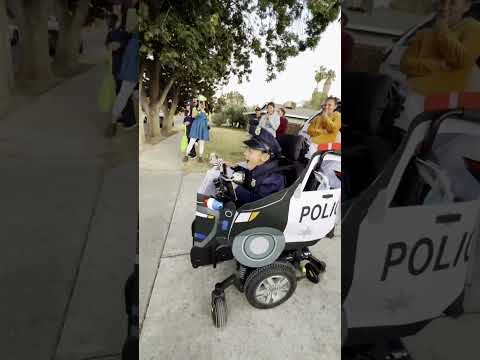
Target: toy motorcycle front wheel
{"type": "Point", "coordinates": [271, 285]}
{"type": "Point", "coordinates": [219, 311]}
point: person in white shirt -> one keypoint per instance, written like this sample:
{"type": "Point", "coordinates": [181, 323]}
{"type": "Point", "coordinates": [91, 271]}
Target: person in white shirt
{"type": "Point", "coordinates": [270, 121]}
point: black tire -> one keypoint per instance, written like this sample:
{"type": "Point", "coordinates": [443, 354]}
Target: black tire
{"type": "Point", "coordinates": [219, 312]}
{"type": "Point", "coordinates": [312, 272]}
{"type": "Point", "coordinates": [331, 234]}
{"type": "Point", "coordinates": [276, 270]}
{"type": "Point", "coordinates": [322, 266]}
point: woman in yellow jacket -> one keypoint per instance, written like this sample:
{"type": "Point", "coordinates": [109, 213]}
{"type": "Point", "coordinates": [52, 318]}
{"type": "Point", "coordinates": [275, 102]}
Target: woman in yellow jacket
{"type": "Point", "coordinates": [325, 127]}
{"type": "Point", "coordinates": [442, 59]}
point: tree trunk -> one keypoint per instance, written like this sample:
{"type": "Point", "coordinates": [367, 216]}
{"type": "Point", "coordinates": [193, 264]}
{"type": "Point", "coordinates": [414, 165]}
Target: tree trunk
{"type": "Point", "coordinates": [70, 35]}
{"type": "Point", "coordinates": [157, 96]}
{"type": "Point", "coordinates": [141, 128]}
{"type": "Point", "coordinates": [6, 79]}
{"type": "Point", "coordinates": [32, 22]}
{"type": "Point", "coordinates": [326, 87]}
{"type": "Point", "coordinates": [153, 111]}
{"type": "Point", "coordinates": [167, 123]}
{"type": "Point", "coordinates": [143, 107]}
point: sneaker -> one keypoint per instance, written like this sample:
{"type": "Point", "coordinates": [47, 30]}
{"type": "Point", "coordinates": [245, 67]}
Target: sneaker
{"type": "Point", "coordinates": [185, 158]}
{"type": "Point", "coordinates": [200, 160]}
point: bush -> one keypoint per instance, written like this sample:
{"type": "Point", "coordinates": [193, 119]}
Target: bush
{"type": "Point", "coordinates": [232, 115]}
{"type": "Point", "coordinates": [218, 119]}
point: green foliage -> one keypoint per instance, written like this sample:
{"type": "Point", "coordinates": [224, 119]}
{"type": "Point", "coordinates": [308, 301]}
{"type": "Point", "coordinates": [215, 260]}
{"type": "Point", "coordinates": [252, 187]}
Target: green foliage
{"type": "Point", "coordinates": [200, 43]}
{"type": "Point", "coordinates": [234, 115]}
{"type": "Point", "coordinates": [231, 115]}
{"type": "Point", "coordinates": [316, 100]}
{"type": "Point", "coordinates": [232, 98]}
{"type": "Point", "coordinates": [320, 74]}
{"type": "Point", "coordinates": [218, 119]}
{"type": "Point", "coordinates": [220, 104]}
{"type": "Point", "coordinates": [324, 74]}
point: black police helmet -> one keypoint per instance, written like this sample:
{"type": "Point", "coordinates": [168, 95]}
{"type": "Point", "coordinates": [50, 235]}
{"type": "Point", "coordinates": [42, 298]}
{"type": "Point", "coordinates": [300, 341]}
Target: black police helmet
{"type": "Point", "coordinates": [264, 141]}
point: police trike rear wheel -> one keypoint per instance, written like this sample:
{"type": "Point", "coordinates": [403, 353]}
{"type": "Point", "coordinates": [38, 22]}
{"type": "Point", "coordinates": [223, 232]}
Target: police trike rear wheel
{"type": "Point", "coordinates": [271, 285]}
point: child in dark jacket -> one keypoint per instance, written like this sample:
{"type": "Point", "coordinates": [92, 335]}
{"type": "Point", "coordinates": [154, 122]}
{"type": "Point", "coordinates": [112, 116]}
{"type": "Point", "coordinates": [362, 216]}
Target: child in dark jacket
{"type": "Point", "coordinates": [188, 121]}
{"type": "Point", "coordinates": [262, 179]}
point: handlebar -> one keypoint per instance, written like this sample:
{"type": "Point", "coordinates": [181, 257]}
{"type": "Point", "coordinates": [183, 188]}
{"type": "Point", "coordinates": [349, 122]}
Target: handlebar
{"type": "Point", "coordinates": [224, 187]}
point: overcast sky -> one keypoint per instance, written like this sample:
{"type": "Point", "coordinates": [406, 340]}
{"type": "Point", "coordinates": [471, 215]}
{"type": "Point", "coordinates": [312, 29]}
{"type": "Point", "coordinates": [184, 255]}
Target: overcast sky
{"type": "Point", "coordinates": [297, 81]}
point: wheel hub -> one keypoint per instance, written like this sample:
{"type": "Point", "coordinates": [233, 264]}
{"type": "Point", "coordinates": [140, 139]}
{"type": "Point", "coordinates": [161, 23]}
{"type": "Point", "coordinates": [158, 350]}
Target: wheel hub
{"type": "Point", "coordinates": [272, 289]}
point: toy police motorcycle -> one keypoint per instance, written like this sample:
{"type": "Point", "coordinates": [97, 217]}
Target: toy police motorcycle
{"type": "Point", "coordinates": [407, 232]}
{"type": "Point", "coordinates": [269, 238]}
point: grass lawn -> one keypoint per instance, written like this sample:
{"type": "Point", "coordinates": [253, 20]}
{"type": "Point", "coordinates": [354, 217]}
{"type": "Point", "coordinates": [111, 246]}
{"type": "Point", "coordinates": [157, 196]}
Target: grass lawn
{"type": "Point", "coordinates": [226, 142]}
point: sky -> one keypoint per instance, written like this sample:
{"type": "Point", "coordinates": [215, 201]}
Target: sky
{"type": "Point", "coordinates": [297, 82]}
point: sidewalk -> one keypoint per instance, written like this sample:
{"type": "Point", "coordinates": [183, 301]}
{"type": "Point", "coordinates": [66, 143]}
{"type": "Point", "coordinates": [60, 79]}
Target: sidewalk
{"type": "Point", "coordinates": [67, 237]}
{"type": "Point", "coordinates": [175, 298]}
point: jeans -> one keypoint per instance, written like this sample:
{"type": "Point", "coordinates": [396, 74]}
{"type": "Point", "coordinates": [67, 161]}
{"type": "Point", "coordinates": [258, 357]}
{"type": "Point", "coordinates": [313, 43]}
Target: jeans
{"type": "Point", "coordinates": [191, 144]}
{"type": "Point", "coordinates": [122, 99]}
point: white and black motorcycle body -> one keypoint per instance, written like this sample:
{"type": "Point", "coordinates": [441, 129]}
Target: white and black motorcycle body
{"type": "Point", "coordinates": [407, 239]}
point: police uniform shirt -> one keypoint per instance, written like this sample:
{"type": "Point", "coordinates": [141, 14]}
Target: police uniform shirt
{"type": "Point", "coordinates": [264, 181]}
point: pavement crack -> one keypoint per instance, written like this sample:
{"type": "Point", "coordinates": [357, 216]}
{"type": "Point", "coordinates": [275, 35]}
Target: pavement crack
{"type": "Point", "coordinates": [76, 276]}
{"type": "Point", "coordinates": [168, 256]}
{"type": "Point", "coordinates": [149, 295]}
{"type": "Point", "coordinates": [103, 356]}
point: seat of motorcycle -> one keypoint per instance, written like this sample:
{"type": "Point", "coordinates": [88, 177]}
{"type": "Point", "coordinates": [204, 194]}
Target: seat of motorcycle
{"type": "Point", "coordinates": [294, 148]}
{"type": "Point", "coordinates": [367, 98]}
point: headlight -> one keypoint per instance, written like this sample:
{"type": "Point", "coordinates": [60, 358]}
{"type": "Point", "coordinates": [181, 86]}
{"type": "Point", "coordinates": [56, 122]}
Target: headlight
{"type": "Point", "coordinates": [213, 204]}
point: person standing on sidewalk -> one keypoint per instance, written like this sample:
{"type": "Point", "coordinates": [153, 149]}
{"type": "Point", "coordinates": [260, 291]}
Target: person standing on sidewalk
{"type": "Point", "coordinates": [199, 131]}
{"type": "Point", "coordinates": [254, 121]}
{"type": "Point", "coordinates": [128, 75]}
{"type": "Point", "coordinates": [117, 40]}
{"type": "Point", "coordinates": [188, 121]}
{"type": "Point", "coordinates": [270, 121]}
{"type": "Point", "coordinates": [283, 127]}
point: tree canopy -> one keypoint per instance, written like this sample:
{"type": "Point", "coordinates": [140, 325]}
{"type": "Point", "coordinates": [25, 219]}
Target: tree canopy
{"type": "Point", "coordinates": [200, 44]}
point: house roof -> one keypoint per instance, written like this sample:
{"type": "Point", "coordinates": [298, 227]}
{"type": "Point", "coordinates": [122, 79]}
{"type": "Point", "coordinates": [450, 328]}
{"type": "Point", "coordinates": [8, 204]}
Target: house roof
{"type": "Point", "coordinates": [295, 115]}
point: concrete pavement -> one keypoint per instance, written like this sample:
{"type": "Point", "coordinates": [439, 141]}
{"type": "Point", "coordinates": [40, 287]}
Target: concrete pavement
{"type": "Point", "coordinates": [69, 233]}
{"type": "Point", "coordinates": [175, 298]}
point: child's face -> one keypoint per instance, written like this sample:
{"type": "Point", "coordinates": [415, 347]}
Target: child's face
{"type": "Point", "coordinates": [257, 113]}
{"type": "Point", "coordinates": [201, 106]}
{"type": "Point", "coordinates": [255, 158]}
{"type": "Point", "coordinates": [270, 109]}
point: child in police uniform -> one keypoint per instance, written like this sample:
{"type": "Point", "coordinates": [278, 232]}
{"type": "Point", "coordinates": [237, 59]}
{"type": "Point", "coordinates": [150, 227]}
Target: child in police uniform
{"type": "Point", "coordinates": [261, 178]}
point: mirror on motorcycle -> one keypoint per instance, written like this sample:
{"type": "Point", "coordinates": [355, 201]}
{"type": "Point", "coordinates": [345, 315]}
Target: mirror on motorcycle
{"type": "Point", "coordinates": [377, 211]}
